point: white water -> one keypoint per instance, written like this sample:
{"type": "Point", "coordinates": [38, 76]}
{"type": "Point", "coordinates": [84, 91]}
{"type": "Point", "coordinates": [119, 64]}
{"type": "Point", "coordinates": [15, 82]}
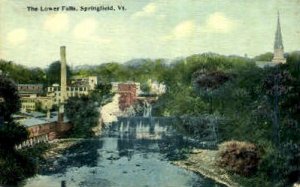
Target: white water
{"type": "Point", "coordinates": [147, 109]}
{"type": "Point", "coordinates": [111, 111]}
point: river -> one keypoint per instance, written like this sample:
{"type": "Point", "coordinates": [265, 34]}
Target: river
{"type": "Point", "coordinates": [132, 152]}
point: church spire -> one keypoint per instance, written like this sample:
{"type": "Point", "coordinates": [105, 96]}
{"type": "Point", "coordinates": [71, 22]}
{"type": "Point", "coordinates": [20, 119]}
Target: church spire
{"type": "Point", "coordinates": [278, 38]}
{"type": "Point", "coordinates": [278, 46]}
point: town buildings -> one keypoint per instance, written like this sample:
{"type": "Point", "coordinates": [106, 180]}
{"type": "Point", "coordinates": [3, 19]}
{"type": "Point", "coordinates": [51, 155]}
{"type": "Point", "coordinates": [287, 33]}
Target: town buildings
{"type": "Point", "coordinates": [33, 96]}
{"type": "Point", "coordinates": [78, 87]}
{"type": "Point", "coordinates": [41, 127]}
{"type": "Point", "coordinates": [44, 127]}
{"type": "Point", "coordinates": [29, 89]}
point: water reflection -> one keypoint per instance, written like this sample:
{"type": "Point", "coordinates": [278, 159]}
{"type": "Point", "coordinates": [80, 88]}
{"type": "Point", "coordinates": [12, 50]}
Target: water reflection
{"type": "Point", "coordinates": [131, 152]}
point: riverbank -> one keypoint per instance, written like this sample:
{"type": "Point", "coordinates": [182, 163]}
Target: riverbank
{"type": "Point", "coordinates": [57, 146]}
{"type": "Point", "coordinates": [65, 153]}
{"type": "Point", "coordinates": [202, 161]}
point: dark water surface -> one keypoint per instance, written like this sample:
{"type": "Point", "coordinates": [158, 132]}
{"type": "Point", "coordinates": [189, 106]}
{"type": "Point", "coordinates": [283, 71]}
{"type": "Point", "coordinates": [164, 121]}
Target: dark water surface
{"type": "Point", "coordinates": [131, 153]}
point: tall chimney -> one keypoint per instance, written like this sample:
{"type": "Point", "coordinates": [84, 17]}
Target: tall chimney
{"type": "Point", "coordinates": [63, 83]}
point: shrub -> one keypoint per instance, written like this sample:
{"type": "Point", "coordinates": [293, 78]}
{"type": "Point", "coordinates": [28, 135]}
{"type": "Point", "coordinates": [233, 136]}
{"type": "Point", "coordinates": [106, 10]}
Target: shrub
{"type": "Point", "coordinates": [15, 167]}
{"type": "Point", "coordinates": [239, 157]}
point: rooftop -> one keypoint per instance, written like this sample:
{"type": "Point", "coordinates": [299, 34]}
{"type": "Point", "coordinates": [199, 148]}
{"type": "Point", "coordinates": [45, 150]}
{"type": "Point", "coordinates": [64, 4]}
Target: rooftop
{"type": "Point", "coordinates": [36, 118]}
{"type": "Point", "coordinates": [29, 122]}
{"type": "Point", "coordinates": [29, 84]}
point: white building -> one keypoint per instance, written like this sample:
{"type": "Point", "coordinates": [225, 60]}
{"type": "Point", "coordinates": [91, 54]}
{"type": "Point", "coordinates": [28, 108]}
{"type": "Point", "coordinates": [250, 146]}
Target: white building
{"type": "Point", "coordinates": [156, 87]}
{"type": "Point", "coordinates": [90, 81]}
{"type": "Point", "coordinates": [79, 86]}
{"type": "Point", "coordinates": [72, 91]}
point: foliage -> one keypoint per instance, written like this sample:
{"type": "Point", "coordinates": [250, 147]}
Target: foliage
{"type": "Point", "coordinates": [209, 80]}
{"type": "Point", "coordinates": [101, 92]}
{"type": "Point", "coordinates": [239, 157]}
{"type": "Point", "coordinates": [282, 167]}
{"type": "Point", "coordinates": [21, 74]}
{"type": "Point", "coordinates": [14, 166]}
{"type": "Point", "coordinates": [83, 112]}
{"type": "Point", "coordinates": [277, 83]}
{"type": "Point", "coordinates": [264, 57]}
{"type": "Point", "coordinates": [140, 70]}
{"type": "Point", "coordinates": [245, 97]}
{"type": "Point", "coordinates": [293, 64]}
{"type": "Point", "coordinates": [12, 134]}
{"type": "Point", "coordinates": [202, 127]}
{"type": "Point", "coordinates": [36, 152]}
{"type": "Point", "coordinates": [53, 73]}
{"type": "Point", "coordinates": [9, 93]}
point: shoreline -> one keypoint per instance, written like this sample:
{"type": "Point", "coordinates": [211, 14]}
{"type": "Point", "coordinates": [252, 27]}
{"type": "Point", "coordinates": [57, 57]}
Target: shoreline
{"type": "Point", "coordinates": [59, 145]}
{"type": "Point", "coordinates": [202, 161]}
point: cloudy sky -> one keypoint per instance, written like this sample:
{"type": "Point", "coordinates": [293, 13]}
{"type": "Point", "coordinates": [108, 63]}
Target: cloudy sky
{"type": "Point", "coordinates": [147, 29]}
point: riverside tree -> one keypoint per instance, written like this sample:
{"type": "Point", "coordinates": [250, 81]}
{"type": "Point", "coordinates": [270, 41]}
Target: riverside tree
{"type": "Point", "coordinates": [14, 166]}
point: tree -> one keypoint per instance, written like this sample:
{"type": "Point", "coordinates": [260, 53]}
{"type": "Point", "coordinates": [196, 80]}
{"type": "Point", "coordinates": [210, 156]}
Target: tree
{"type": "Point", "coordinates": [53, 73]}
{"type": "Point", "coordinates": [21, 74]}
{"type": "Point", "coordinates": [293, 63]}
{"type": "Point", "coordinates": [276, 85]}
{"type": "Point", "coordinates": [83, 113]}
{"type": "Point", "coordinates": [11, 133]}
{"type": "Point", "coordinates": [14, 166]}
{"type": "Point", "coordinates": [209, 82]}
{"type": "Point", "coordinates": [101, 92]}
{"type": "Point", "coordinates": [264, 57]}
{"type": "Point", "coordinates": [11, 102]}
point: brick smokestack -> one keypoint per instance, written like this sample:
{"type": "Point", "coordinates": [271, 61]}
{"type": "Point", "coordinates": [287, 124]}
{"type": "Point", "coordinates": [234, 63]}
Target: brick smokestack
{"type": "Point", "coordinates": [63, 83]}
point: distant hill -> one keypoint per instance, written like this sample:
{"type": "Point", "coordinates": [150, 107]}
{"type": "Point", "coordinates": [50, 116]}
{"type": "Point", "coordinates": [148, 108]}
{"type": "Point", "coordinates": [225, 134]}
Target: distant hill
{"type": "Point", "coordinates": [136, 62]}
{"type": "Point", "coordinates": [80, 67]}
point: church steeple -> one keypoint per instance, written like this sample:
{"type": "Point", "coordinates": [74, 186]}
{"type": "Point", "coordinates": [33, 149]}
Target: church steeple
{"type": "Point", "coordinates": [278, 38]}
{"type": "Point", "coordinates": [278, 46]}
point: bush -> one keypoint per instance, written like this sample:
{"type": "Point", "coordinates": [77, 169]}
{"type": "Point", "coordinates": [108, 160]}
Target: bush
{"type": "Point", "coordinates": [15, 167]}
{"type": "Point", "coordinates": [12, 134]}
{"type": "Point", "coordinates": [83, 113]}
{"type": "Point", "coordinates": [239, 157]}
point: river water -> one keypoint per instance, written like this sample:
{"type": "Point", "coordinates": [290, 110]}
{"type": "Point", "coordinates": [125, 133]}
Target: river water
{"type": "Point", "coordinates": [133, 152]}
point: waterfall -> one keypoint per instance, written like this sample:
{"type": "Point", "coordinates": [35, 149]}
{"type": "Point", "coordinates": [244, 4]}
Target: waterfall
{"type": "Point", "coordinates": [147, 109]}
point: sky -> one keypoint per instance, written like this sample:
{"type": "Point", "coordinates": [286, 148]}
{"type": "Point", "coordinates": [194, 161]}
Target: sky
{"type": "Point", "coordinates": [146, 29]}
